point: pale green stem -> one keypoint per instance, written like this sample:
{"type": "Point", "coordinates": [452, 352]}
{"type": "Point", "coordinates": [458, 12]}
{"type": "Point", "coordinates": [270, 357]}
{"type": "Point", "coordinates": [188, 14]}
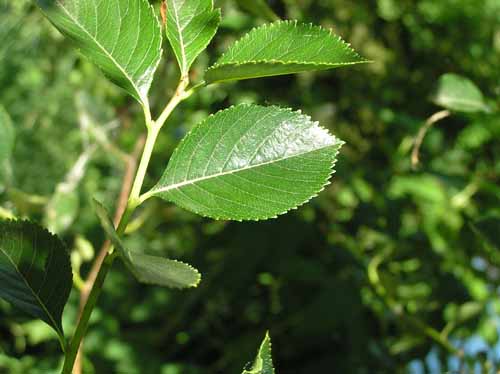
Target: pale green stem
{"type": "Point", "coordinates": [154, 128]}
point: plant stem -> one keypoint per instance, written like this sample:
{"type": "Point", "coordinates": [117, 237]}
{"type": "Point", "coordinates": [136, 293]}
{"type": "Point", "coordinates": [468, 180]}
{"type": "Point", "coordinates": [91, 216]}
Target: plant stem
{"type": "Point", "coordinates": [438, 116]}
{"type": "Point", "coordinates": [131, 161]}
{"type": "Point", "coordinates": [154, 128]}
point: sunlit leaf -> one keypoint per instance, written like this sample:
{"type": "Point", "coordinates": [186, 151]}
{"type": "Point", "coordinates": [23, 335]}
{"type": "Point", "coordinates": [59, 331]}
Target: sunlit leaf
{"type": "Point", "coordinates": [263, 363]}
{"type": "Point", "coordinates": [190, 27]}
{"type": "Point", "coordinates": [35, 271]}
{"type": "Point", "coordinates": [459, 94]}
{"type": "Point", "coordinates": [122, 37]}
{"type": "Point", "coordinates": [283, 47]}
{"type": "Point", "coordinates": [149, 269]}
{"type": "Point", "coordinates": [249, 162]}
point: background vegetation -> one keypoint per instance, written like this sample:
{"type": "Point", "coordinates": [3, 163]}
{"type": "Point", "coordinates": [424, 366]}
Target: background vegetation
{"type": "Point", "coordinates": [389, 270]}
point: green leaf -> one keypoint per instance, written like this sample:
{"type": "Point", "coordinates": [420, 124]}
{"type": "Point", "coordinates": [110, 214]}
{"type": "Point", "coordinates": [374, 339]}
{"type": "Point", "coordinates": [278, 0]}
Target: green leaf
{"type": "Point", "coordinates": [7, 135]}
{"type": "Point", "coordinates": [35, 271]}
{"type": "Point", "coordinates": [263, 363]}
{"type": "Point", "coordinates": [459, 94]}
{"type": "Point", "coordinates": [249, 162]}
{"type": "Point", "coordinates": [283, 47]}
{"type": "Point", "coordinates": [259, 8]}
{"type": "Point", "coordinates": [122, 37]}
{"type": "Point", "coordinates": [190, 27]}
{"type": "Point", "coordinates": [62, 210]}
{"type": "Point", "coordinates": [149, 269]}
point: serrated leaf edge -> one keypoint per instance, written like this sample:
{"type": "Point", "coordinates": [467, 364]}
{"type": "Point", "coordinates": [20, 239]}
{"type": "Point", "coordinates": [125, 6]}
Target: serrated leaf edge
{"type": "Point", "coordinates": [339, 143]}
{"type": "Point", "coordinates": [192, 285]}
{"type": "Point", "coordinates": [267, 338]}
{"type": "Point", "coordinates": [213, 13]}
{"type": "Point", "coordinates": [26, 223]}
{"type": "Point", "coordinates": [124, 253]}
{"type": "Point", "coordinates": [141, 97]}
{"type": "Point", "coordinates": [295, 23]}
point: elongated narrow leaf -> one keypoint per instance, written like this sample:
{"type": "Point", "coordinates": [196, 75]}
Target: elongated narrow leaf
{"type": "Point", "coordinates": [263, 363]}
{"type": "Point", "coordinates": [191, 24]}
{"type": "Point", "coordinates": [459, 94]}
{"type": "Point", "coordinates": [6, 135]}
{"type": "Point", "coordinates": [146, 268]}
{"type": "Point", "coordinates": [35, 271]}
{"type": "Point", "coordinates": [122, 37]}
{"type": "Point", "coordinates": [249, 162]}
{"type": "Point", "coordinates": [283, 47]}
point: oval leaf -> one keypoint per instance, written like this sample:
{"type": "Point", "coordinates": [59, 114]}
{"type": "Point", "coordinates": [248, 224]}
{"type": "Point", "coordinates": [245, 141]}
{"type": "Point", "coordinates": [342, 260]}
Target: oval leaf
{"type": "Point", "coordinates": [35, 271]}
{"type": "Point", "coordinates": [283, 47]}
{"type": "Point", "coordinates": [6, 136]}
{"type": "Point", "coordinates": [190, 27]}
{"type": "Point", "coordinates": [149, 269]}
{"type": "Point", "coordinates": [248, 163]}
{"type": "Point", "coordinates": [263, 363]}
{"type": "Point", "coordinates": [122, 37]}
{"type": "Point", "coordinates": [459, 94]}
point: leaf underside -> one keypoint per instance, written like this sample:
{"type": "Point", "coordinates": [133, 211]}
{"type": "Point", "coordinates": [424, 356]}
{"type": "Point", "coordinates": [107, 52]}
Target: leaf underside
{"type": "Point", "coordinates": [35, 271]}
{"type": "Point", "coordinates": [249, 162]}
{"type": "Point", "coordinates": [6, 135]}
{"type": "Point", "coordinates": [459, 94]}
{"type": "Point", "coordinates": [190, 27]}
{"type": "Point", "coordinates": [122, 37]}
{"type": "Point", "coordinates": [283, 47]}
{"type": "Point", "coordinates": [263, 363]}
{"type": "Point", "coordinates": [149, 269]}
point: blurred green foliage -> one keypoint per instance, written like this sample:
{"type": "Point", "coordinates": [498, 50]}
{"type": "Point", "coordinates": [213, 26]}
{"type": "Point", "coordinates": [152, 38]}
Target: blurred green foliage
{"type": "Point", "coordinates": [352, 282]}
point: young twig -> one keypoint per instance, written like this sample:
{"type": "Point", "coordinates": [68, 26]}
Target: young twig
{"type": "Point", "coordinates": [128, 179]}
{"type": "Point", "coordinates": [438, 116]}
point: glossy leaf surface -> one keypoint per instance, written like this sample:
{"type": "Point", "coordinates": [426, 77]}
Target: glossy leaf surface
{"type": "Point", "coordinates": [122, 37]}
{"type": "Point", "coordinates": [283, 47]}
{"type": "Point", "coordinates": [149, 269]}
{"type": "Point", "coordinates": [459, 94]}
{"type": "Point", "coordinates": [35, 271]}
{"type": "Point", "coordinates": [263, 363]}
{"type": "Point", "coordinates": [249, 162]}
{"type": "Point", "coordinates": [191, 24]}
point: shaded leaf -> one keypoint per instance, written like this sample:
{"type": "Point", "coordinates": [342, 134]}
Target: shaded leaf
{"type": "Point", "coordinates": [459, 94]}
{"type": "Point", "coordinates": [263, 363]}
{"type": "Point", "coordinates": [249, 162]}
{"type": "Point", "coordinates": [7, 135]}
{"type": "Point", "coordinates": [122, 37]}
{"type": "Point", "coordinates": [146, 268]}
{"type": "Point", "coordinates": [259, 8]}
{"type": "Point", "coordinates": [35, 271]}
{"type": "Point", "coordinates": [190, 27]}
{"type": "Point", "coordinates": [283, 47]}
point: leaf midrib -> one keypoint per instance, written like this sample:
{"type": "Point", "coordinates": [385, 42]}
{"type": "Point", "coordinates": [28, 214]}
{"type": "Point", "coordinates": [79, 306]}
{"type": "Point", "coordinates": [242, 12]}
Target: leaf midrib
{"type": "Point", "coordinates": [181, 39]}
{"type": "Point", "coordinates": [233, 171]}
{"type": "Point", "coordinates": [137, 91]}
{"type": "Point", "coordinates": [55, 324]}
